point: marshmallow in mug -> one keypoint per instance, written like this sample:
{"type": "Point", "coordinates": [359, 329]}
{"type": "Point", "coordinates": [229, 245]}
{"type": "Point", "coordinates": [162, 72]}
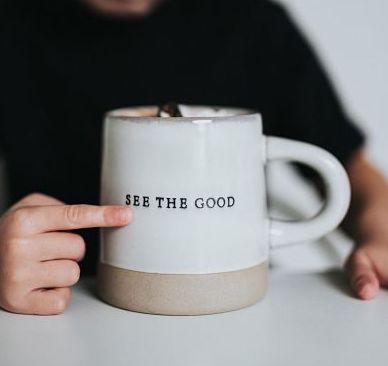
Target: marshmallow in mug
{"type": "Point", "coordinates": [183, 110]}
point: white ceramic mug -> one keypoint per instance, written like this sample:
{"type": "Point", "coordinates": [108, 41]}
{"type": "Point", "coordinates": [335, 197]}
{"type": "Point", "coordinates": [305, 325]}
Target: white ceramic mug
{"type": "Point", "coordinates": [201, 234]}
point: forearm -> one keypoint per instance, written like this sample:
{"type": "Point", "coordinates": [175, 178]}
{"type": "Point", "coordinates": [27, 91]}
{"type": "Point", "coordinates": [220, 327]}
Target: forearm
{"type": "Point", "coordinates": [367, 219]}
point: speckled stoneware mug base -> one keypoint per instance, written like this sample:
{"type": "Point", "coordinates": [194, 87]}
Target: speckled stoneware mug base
{"type": "Point", "coordinates": [181, 294]}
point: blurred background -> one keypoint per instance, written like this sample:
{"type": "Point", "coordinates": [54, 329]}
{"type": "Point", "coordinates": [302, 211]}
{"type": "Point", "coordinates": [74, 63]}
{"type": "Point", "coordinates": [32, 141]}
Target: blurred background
{"type": "Point", "coordinates": [350, 37]}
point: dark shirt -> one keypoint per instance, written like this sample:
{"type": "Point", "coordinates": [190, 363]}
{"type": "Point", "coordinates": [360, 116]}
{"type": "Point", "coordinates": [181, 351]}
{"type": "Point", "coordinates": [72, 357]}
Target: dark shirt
{"type": "Point", "coordinates": [62, 66]}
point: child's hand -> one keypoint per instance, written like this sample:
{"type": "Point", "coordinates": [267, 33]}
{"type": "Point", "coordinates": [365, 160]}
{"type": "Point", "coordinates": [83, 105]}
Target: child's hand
{"type": "Point", "coordinates": [367, 266]}
{"type": "Point", "coordinates": [38, 260]}
{"type": "Point", "coordinates": [367, 223]}
{"type": "Point", "coordinates": [367, 269]}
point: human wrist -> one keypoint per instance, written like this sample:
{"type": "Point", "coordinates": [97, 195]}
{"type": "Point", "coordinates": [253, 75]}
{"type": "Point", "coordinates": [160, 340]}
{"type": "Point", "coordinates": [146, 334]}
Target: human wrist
{"type": "Point", "coordinates": [369, 224]}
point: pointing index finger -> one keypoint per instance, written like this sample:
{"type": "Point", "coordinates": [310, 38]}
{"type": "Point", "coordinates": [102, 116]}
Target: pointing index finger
{"type": "Point", "coordinates": [69, 217]}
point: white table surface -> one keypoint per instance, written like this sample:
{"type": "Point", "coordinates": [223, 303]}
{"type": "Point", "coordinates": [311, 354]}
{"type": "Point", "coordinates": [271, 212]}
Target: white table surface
{"type": "Point", "coordinates": [305, 319]}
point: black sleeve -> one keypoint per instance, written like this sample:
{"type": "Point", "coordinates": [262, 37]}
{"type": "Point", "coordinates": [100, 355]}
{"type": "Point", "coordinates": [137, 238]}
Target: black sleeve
{"type": "Point", "coordinates": [6, 22]}
{"type": "Point", "coordinates": [307, 107]}
{"type": "Point", "coordinates": [2, 67]}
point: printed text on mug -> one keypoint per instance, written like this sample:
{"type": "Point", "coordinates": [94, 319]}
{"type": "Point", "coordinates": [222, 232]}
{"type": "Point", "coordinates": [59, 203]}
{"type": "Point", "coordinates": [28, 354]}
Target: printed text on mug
{"type": "Point", "coordinates": [179, 202]}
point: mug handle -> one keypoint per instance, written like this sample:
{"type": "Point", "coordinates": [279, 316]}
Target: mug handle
{"type": "Point", "coordinates": [336, 183]}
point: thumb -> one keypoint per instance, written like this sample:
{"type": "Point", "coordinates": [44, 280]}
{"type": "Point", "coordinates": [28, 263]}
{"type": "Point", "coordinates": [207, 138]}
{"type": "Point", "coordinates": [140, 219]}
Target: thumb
{"type": "Point", "coordinates": [362, 276]}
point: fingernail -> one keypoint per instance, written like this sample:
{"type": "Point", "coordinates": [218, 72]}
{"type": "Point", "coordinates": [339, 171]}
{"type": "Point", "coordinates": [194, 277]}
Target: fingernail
{"type": "Point", "coordinates": [125, 214]}
{"type": "Point", "coordinates": [366, 291]}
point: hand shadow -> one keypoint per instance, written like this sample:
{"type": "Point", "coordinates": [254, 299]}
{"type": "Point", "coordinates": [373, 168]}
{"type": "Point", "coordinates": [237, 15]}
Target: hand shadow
{"type": "Point", "coordinates": [88, 285]}
{"type": "Point", "coordinates": [337, 279]}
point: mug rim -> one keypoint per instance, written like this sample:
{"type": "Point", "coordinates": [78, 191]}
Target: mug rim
{"type": "Point", "coordinates": [244, 114]}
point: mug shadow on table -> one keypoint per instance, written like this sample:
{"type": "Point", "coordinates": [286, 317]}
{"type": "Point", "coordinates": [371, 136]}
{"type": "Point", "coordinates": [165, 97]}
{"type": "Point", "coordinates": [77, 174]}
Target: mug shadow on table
{"type": "Point", "coordinates": [337, 279]}
{"type": "Point", "coordinates": [89, 286]}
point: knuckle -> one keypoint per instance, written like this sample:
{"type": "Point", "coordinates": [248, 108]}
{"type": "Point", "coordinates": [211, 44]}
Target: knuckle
{"type": "Point", "coordinates": [74, 213]}
{"type": "Point", "coordinates": [19, 217]}
{"type": "Point", "coordinates": [360, 260]}
{"type": "Point", "coordinates": [359, 278]}
{"type": "Point", "coordinates": [35, 195]}
{"type": "Point", "coordinates": [357, 255]}
{"type": "Point", "coordinates": [14, 248]}
{"type": "Point", "coordinates": [356, 259]}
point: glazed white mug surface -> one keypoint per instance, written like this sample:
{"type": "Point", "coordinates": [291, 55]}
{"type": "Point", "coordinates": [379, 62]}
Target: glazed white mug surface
{"type": "Point", "coordinates": [198, 189]}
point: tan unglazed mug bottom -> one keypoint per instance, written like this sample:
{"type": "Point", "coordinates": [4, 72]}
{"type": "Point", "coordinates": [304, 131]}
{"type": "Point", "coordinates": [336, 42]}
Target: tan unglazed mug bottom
{"type": "Point", "coordinates": [181, 294]}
